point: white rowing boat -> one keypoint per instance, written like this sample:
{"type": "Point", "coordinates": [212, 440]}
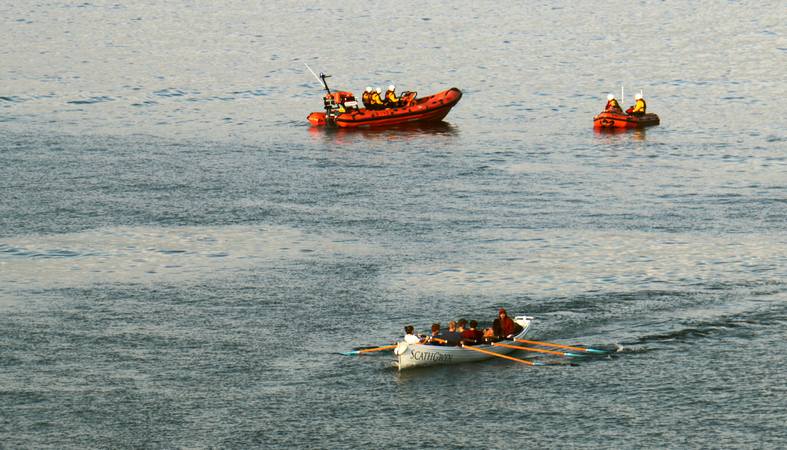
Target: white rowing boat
{"type": "Point", "coordinates": [409, 356]}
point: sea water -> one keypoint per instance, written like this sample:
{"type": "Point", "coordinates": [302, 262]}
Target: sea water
{"type": "Point", "coordinates": [182, 258]}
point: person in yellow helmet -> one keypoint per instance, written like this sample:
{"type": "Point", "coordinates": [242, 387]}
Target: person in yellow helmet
{"type": "Point", "coordinates": [390, 99]}
{"type": "Point", "coordinates": [376, 100]}
{"type": "Point", "coordinates": [613, 105]}
{"type": "Point", "coordinates": [639, 107]}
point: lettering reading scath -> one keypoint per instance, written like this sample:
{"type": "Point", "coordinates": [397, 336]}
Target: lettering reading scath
{"type": "Point", "coordinates": [429, 356]}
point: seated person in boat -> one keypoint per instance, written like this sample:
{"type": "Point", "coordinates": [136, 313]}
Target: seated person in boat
{"type": "Point", "coordinates": [508, 328]}
{"type": "Point", "coordinates": [452, 336]}
{"type": "Point", "coordinates": [461, 325]}
{"type": "Point", "coordinates": [639, 107]}
{"type": "Point", "coordinates": [390, 99]}
{"type": "Point", "coordinates": [612, 105]}
{"type": "Point", "coordinates": [491, 334]}
{"type": "Point", "coordinates": [472, 335]}
{"type": "Point", "coordinates": [409, 335]}
{"type": "Point", "coordinates": [366, 97]}
{"type": "Point", "coordinates": [436, 338]}
{"type": "Point", "coordinates": [376, 101]}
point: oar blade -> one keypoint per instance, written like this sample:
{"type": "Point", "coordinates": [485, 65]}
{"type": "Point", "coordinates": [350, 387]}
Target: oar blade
{"type": "Point", "coordinates": [597, 351]}
{"type": "Point", "coordinates": [362, 351]}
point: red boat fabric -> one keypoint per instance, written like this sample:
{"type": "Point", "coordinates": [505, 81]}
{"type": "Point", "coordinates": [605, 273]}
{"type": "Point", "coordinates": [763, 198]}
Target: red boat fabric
{"type": "Point", "coordinates": [621, 120]}
{"type": "Point", "coordinates": [427, 109]}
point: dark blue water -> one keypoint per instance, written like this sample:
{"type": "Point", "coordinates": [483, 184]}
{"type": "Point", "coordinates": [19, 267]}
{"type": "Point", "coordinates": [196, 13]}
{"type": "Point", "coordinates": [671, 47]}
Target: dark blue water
{"type": "Point", "coordinates": [182, 258]}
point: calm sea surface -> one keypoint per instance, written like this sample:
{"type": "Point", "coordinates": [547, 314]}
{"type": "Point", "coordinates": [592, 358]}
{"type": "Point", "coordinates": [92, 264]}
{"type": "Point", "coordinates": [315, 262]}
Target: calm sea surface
{"type": "Point", "coordinates": [182, 258]}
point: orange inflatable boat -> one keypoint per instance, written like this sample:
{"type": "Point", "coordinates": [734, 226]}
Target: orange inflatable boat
{"type": "Point", "coordinates": [341, 109]}
{"type": "Point", "coordinates": [607, 120]}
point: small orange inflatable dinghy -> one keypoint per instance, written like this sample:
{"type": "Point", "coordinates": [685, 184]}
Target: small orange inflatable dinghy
{"type": "Point", "coordinates": [341, 109]}
{"type": "Point", "coordinates": [608, 119]}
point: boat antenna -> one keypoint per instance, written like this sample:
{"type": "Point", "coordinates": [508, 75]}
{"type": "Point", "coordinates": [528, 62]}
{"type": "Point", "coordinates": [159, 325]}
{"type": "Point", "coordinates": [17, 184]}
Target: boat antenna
{"type": "Point", "coordinates": [622, 99]}
{"type": "Point", "coordinates": [320, 78]}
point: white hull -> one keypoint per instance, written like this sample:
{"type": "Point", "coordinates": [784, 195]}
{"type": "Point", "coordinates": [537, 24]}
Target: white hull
{"type": "Point", "coordinates": [422, 355]}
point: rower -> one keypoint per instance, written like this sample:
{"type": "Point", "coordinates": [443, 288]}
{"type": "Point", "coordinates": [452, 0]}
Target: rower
{"type": "Point", "coordinates": [409, 335]}
{"type": "Point", "coordinates": [436, 338]}
{"type": "Point", "coordinates": [613, 105]}
{"type": "Point", "coordinates": [452, 336]}
{"type": "Point", "coordinates": [461, 325]}
{"type": "Point", "coordinates": [639, 107]}
{"type": "Point", "coordinates": [472, 335]}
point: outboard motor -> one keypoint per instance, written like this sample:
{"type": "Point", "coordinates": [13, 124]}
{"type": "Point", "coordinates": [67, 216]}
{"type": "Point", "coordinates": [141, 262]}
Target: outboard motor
{"type": "Point", "coordinates": [331, 109]}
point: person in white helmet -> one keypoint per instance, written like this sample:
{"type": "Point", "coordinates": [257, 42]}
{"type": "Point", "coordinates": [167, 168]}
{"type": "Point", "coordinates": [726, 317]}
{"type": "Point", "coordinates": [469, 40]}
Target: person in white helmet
{"type": "Point", "coordinates": [366, 98]}
{"type": "Point", "coordinates": [390, 99]}
{"type": "Point", "coordinates": [613, 105]}
{"type": "Point", "coordinates": [376, 101]}
{"type": "Point", "coordinates": [639, 107]}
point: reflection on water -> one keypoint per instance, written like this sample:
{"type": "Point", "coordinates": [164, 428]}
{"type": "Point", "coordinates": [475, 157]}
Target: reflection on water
{"type": "Point", "coordinates": [637, 134]}
{"type": "Point", "coordinates": [403, 132]}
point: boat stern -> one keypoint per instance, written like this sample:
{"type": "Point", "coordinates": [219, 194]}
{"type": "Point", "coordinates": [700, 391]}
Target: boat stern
{"type": "Point", "coordinates": [524, 322]}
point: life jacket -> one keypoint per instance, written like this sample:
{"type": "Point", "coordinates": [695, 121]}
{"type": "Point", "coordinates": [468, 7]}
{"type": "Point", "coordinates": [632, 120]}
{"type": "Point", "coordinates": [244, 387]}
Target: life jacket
{"type": "Point", "coordinates": [366, 98]}
{"type": "Point", "coordinates": [613, 105]}
{"type": "Point", "coordinates": [376, 100]}
{"type": "Point", "coordinates": [390, 98]}
{"type": "Point", "coordinates": [639, 107]}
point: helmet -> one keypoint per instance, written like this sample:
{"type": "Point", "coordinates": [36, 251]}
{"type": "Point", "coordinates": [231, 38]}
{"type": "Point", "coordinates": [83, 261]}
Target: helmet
{"type": "Point", "coordinates": [391, 87]}
{"type": "Point", "coordinates": [378, 90]}
{"type": "Point", "coordinates": [610, 97]}
{"type": "Point", "coordinates": [368, 89]}
{"type": "Point", "coordinates": [638, 97]}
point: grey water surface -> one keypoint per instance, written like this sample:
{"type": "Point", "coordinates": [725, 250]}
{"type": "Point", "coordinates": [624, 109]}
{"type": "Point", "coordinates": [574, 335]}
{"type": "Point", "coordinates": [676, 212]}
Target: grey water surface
{"type": "Point", "coordinates": [182, 258]}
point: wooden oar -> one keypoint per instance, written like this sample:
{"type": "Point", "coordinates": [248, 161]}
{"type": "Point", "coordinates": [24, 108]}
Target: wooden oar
{"type": "Point", "coordinates": [523, 361]}
{"type": "Point", "coordinates": [568, 347]}
{"type": "Point", "coordinates": [369, 350]}
{"type": "Point", "coordinates": [537, 350]}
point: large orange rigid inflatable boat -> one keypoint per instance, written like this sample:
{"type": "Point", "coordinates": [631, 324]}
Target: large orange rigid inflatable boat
{"type": "Point", "coordinates": [341, 112]}
{"type": "Point", "coordinates": [608, 120]}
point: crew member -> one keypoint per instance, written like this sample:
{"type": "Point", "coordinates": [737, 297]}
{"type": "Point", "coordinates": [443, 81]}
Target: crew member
{"type": "Point", "coordinates": [472, 335]}
{"type": "Point", "coordinates": [639, 107]}
{"type": "Point", "coordinates": [366, 97]}
{"type": "Point", "coordinates": [437, 337]}
{"type": "Point", "coordinates": [508, 328]}
{"type": "Point", "coordinates": [452, 336]}
{"type": "Point", "coordinates": [409, 335]}
{"type": "Point", "coordinates": [377, 101]}
{"type": "Point", "coordinates": [613, 105]}
{"type": "Point", "coordinates": [390, 97]}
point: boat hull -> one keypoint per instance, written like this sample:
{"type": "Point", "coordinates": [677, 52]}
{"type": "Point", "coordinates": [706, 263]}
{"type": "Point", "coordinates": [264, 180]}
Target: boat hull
{"type": "Point", "coordinates": [423, 355]}
{"type": "Point", "coordinates": [428, 109]}
{"type": "Point", "coordinates": [609, 120]}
